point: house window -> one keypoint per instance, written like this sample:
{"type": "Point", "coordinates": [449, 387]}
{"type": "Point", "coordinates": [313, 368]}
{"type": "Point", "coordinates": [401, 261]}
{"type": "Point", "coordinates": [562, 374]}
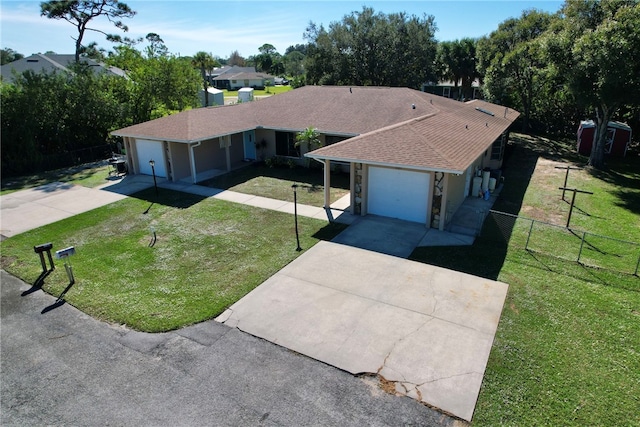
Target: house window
{"type": "Point", "coordinates": [286, 144]}
{"type": "Point", "coordinates": [246, 83]}
{"type": "Point", "coordinates": [234, 81]}
{"type": "Point", "coordinates": [497, 149]}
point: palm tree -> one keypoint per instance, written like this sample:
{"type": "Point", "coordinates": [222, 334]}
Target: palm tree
{"type": "Point", "coordinates": [205, 62]}
{"type": "Point", "coordinates": [310, 137]}
{"type": "Point", "coordinates": [456, 61]}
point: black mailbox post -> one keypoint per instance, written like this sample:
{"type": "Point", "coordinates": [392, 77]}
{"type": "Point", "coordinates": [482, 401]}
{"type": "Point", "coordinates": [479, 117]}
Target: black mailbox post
{"type": "Point", "coordinates": [40, 250]}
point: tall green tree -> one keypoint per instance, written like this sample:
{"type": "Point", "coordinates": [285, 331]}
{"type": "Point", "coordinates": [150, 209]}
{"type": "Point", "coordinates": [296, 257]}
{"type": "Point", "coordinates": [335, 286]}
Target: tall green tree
{"type": "Point", "coordinates": [51, 120]}
{"type": "Point", "coordinates": [156, 46]}
{"type": "Point", "coordinates": [294, 63]}
{"type": "Point", "coordinates": [236, 59]}
{"type": "Point", "coordinates": [369, 48]}
{"type": "Point", "coordinates": [9, 55]}
{"type": "Point", "coordinates": [596, 46]}
{"type": "Point", "coordinates": [80, 13]}
{"type": "Point", "coordinates": [163, 85]}
{"type": "Point", "coordinates": [269, 60]}
{"type": "Point", "coordinates": [512, 60]}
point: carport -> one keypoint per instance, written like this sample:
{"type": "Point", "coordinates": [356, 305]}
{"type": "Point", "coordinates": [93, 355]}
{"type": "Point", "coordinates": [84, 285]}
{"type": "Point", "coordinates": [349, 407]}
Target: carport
{"type": "Point", "coordinates": [425, 330]}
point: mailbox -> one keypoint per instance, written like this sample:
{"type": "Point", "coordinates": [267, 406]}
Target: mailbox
{"type": "Point", "coordinates": [66, 252]}
{"type": "Point", "coordinates": [42, 248]}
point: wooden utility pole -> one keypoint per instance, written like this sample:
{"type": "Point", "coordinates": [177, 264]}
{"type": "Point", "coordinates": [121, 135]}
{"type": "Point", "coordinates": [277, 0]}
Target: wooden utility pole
{"type": "Point", "coordinates": [573, 199]}
{"type": "Point", "coordinates": [566, 176]}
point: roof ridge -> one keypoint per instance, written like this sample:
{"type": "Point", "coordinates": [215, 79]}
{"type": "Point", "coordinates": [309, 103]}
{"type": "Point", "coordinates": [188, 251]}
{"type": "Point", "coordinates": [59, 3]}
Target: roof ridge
{"type": "Point", "coordinates": [384, 129]}
{"type": "Point", "coordinates": [422, 137]}
{"type": "Point", "coordinates": [52, 62]}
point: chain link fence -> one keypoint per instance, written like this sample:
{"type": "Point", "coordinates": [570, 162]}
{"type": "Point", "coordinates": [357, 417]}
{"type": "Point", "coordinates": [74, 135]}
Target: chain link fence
{"type": "Point", "coordinates": [587, 248]}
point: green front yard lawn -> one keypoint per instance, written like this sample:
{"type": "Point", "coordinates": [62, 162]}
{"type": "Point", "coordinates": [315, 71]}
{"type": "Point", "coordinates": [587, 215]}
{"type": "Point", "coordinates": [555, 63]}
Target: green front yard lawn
{"type": "Point", "coordinates": [209, 253]}
{"type": "Point", "coordinates": [275, 183]}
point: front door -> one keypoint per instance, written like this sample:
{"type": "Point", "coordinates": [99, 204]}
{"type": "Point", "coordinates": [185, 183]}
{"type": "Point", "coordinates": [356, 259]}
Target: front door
{"type": "Point", "coordinates": [249, 144]}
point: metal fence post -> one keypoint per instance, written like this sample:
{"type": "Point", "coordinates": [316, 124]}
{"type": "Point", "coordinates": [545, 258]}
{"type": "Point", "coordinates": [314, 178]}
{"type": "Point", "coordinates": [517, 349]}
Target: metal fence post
{"type": "Point", "coordinates": [526, 245]}
{"type": "Point", "coordinates": [581, 245]}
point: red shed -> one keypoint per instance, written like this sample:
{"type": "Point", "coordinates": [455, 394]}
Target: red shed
{"type": "Point", "coordinates": [618, 138]}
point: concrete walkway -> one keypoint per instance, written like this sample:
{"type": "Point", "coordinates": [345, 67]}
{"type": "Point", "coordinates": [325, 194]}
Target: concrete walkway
{"type": "Point", "coordinates": [28, 209]}
{"type": "Point", "coordinates": [426, 330]}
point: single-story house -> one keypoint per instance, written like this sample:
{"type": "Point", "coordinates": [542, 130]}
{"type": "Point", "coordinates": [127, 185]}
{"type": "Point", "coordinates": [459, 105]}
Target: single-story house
{"type": "Point", "coordinates": [234, 78]}
{"type": "Point", "coordinates": [410, 154]}
{"type": "Point", "coordinates": [450, 89]}
{"type": "Point", "coordinates": [49, 63]}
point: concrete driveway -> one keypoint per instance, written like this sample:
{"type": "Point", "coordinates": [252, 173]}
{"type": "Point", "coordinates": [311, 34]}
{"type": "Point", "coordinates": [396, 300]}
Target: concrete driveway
{"type": "Point", "coordinates": [28, 209]}
{"type": "Point", "coordinates": [66, 368]}
{"type": "Point", "coordinates": [385, 235]}
{"type": "Point", "coordinates": [425, 330]}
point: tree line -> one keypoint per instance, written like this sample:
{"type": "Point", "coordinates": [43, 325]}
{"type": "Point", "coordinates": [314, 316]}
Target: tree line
{"type": "Point", "coordinates": [582, 62]}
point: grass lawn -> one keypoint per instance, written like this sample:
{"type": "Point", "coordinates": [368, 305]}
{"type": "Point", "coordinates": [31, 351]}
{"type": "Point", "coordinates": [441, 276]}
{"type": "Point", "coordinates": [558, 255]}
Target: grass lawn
{"type": "Point", "coordinates": [88, 175]}
{"type": "Point", "coordinates": [209, 253]}
{"type": "Point", "coordinates": [273, 90]}
{"type": "Point", "coordinates": [275, 183]}
{"type": "Point", "coordinates": [567, 349]}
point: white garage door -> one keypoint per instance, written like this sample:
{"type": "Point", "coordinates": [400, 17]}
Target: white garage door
{"type": "Point", "coordinates": [150, 150]}
{"type": "Point", "coordinates": [398, 193]}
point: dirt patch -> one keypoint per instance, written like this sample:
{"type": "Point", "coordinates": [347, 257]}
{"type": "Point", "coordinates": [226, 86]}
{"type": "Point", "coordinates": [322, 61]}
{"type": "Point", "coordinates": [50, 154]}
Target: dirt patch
{"type": "Point", "coordinates": [387, 386]}
{"type": "Point", "coordinates": [539, 214]}
{"type": "Point", "coordinates": [6, 261]}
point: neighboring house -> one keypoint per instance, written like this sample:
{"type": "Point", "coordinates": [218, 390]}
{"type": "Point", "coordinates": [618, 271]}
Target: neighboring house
{"type": "Point", "coordinates": [231, 69]}
{"type": "Point", "coordinates": [233, 78]}
{"type": "Point", "coordinates": [449, 89]}
{"type": "Point", "coordinates": [411, 155]}
{"type": "Point", "coordinates": [49, 63]}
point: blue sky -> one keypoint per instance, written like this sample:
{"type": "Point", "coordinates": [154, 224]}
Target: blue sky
{"type": "Point", "coordinates": [220, 27]}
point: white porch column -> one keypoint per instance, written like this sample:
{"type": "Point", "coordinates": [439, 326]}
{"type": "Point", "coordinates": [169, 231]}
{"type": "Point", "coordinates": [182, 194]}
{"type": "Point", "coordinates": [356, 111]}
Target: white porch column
{"type": "Point", "coordinates": [352, 187]}
{"type": "Point", "coordinates": [327, 183]}
{"type": "Point", "coordinates": [192, 160]}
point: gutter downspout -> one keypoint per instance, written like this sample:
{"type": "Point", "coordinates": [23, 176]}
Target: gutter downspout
{"type": "Point", "coordinates": [192, 158]}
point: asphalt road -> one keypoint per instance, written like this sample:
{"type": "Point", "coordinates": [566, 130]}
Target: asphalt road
{"type": "Point", "coordinates": [62, 367]}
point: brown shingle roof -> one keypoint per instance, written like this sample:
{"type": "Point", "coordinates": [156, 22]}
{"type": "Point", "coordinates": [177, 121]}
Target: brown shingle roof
{"type": "Point", "coordinates": [395, 125]}
{"type": "Point", "coordinates": [330, 109]}
{"type": "Point", "coordinates": [445, 140]}
{"type": "Point", "coordinates": [194, 125]}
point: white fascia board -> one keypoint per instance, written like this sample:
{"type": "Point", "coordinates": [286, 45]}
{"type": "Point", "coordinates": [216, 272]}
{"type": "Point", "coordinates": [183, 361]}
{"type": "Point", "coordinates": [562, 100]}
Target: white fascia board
{"type": "Point", "coordinates": [182, 141]}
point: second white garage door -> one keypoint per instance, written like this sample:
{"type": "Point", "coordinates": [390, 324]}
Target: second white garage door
{"type": "Point", "coordinates": [398, 193]}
